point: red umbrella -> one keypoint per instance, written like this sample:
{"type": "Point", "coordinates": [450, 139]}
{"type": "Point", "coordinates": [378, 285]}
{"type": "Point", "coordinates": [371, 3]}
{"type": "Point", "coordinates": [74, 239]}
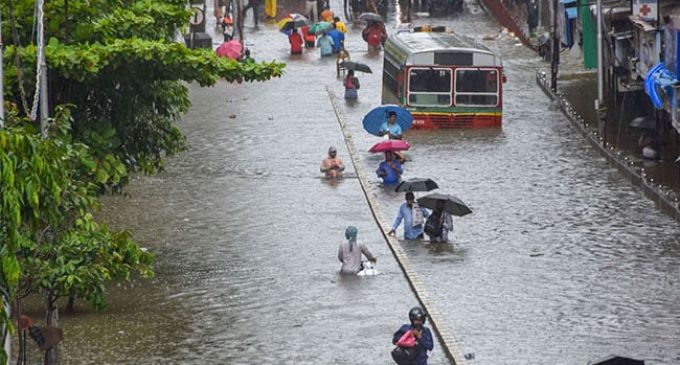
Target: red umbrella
{"type": "Point", "coordinates": [231, 49]}
{"type": "Point", "coordinates": [390, 145]}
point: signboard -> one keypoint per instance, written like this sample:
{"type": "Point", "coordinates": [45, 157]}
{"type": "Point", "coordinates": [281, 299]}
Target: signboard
{"type": "Point", "coordinates": [646, 9]}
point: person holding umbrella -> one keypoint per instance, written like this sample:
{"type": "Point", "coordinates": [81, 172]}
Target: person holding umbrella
{"type": "Point", "coordinates": [413, 216]}
{"type": "Point", "coordinates": [295, 40]}
{"type": "Point", "coordinates": [309, 37]}
{"type": "Point", "coordinates": [390, 128]}
{"type": "Point", "coordinates": [439, 224]}
{"type": "Point", "coordinates": [351, 85]}
{"type": "Point", "coordinates": [390, 169]}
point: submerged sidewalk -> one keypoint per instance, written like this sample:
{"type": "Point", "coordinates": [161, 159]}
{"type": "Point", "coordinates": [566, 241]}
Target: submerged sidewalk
{"type": "Point", "coordinates": [658, 180]}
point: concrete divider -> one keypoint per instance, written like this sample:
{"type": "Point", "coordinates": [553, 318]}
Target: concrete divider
{"type": "Point", "coordinates": [448, 342]}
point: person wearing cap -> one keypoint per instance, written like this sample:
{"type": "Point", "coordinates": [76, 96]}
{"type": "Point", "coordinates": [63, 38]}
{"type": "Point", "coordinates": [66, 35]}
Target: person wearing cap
{"type": "Point", "coordinates": [349, 253]}
{"type": "Point", "coordinates": [391, 128]}
{"type": "Point", "coordinates": [332, 165]}
{"type": "Point", "coordinates": [413, 216]}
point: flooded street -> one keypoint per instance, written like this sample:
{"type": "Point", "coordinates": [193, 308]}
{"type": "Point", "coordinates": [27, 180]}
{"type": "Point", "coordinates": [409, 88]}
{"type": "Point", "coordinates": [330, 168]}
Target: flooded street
{"type": "Point", "coordinates": [561, 262]}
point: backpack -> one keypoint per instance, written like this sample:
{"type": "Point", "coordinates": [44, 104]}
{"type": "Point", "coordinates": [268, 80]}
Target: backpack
{"type": "Point", "coordinates": [432, 226]}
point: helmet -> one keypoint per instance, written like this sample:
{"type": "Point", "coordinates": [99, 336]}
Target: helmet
{"type": "Point", "coordinates": [417, 313]}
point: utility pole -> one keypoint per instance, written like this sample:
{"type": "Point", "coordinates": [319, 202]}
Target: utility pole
{"type": "Point", "coordinates": [599, 103]}
{"type": "Point", "coordinates": [555, 57]}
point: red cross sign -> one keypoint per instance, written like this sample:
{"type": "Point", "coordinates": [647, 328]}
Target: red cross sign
{"type": "Point", "coordinates": [646, 9]}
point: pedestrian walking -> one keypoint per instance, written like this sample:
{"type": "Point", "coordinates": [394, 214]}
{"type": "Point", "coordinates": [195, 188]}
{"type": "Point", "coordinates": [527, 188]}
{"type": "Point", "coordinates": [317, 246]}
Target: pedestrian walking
{"type": "Point", "coordinates": [390, 169]}
{"type": "Point", "coordinates": [351, 85]}
{"type": "Point", "coordinates": [349, 253]}
{"type": "Point", "coordinates": [413, 216]}
{"type": "Point", "coordinates": [252, 4]}
{"type": "Point", "coordinates": [420, 336]}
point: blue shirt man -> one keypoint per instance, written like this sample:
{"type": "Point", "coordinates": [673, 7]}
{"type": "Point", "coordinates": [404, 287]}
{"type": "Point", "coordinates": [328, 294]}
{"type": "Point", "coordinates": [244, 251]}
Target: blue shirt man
{"type": "Point", "coordinates": [338, 39]}
{"type": "Point", "coordinates": [390, 170]}
{"type": "Point", "coordinates": [390, 127]}
{"type": "Point", "coordinates": [411, 231]}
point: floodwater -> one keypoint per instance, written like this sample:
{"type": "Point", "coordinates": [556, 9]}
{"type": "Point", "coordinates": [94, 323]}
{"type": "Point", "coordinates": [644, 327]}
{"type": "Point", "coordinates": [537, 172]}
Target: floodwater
{"type": "Point", "coordinates": [562, 261]}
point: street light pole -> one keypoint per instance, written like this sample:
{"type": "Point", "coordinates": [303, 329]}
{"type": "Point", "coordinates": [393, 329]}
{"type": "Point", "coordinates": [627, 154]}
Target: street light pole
{"type": "Point", "coordinates": [600, 56]}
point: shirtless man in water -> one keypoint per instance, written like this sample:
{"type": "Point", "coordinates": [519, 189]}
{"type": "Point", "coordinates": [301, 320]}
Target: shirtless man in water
{"type": "Point", "coordinates": [332, 165]}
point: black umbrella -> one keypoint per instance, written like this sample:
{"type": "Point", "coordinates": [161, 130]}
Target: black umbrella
{"type": "Point", "coordinates": [371, 17]}
{"type": "Point", "coordinates": [298, 21]}
{"type": "Point", "coordinates": [643, 123]}
{"type": "Point", "coordinates": [452, 204]}
{"type": "Point", "coordinates": [416, 184]}
{"type": "Point", "coordinates": [617, 360]}
{"type": "Point", "coordinates": [356, 66]}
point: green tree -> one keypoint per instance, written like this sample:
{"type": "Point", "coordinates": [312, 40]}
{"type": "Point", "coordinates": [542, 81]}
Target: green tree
{"type": "Point", "coordinates": [118, 63]}
{"type": "Point", "coordinates": [49, 242]}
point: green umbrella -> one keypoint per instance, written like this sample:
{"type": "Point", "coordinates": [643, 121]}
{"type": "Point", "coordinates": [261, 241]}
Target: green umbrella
{"type": "Point", "coordinates": [320, 27]}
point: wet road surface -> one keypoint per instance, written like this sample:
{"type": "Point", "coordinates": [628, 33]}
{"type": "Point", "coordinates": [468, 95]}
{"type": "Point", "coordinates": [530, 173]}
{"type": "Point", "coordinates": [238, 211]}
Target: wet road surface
{"type": "Point", "coordinates": [561, 262]}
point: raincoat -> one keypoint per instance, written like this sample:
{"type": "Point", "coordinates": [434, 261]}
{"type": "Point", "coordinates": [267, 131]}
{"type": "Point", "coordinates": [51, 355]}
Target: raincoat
{"type": "Point", "coordinates": [406, 214]}
{"type": "Point", "coordinates": [325, 44]}
{"type": "Point", "coordinates": [425, 343]}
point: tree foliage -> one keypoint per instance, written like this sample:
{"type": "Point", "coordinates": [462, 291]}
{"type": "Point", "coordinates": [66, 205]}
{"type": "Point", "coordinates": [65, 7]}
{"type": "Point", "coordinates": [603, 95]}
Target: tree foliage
{"type": "Point", "coordinates": [118, 64]}
{"type": "Point", "coordinates": [49, 241]}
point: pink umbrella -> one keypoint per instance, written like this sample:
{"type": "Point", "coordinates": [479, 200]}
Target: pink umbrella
{"type": "Point", "coordinates": [231, 49]}
{"type": "Point", "coordinates": [390, 145]}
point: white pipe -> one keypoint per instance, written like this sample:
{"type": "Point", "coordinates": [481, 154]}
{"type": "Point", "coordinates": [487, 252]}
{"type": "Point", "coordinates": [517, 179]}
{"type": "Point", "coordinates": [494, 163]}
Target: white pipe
{"type": "Point", "coordinates": [600, 56]}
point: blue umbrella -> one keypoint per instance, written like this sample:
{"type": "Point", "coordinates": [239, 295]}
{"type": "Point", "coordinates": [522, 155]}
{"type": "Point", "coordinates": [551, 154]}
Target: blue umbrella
{"type": "Point", "coordinates": [375, 119]}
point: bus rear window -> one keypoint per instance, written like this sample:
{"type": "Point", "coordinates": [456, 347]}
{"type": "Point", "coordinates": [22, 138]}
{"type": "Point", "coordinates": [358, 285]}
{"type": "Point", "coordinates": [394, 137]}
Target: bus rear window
{"type": "Point", "coordinates": [475, 87]}
{"type": "Point", "coordinates": [429, 86]}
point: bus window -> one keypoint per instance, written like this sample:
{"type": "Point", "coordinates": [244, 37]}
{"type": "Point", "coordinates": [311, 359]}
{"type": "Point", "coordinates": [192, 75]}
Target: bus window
{"type": "Point", "coordinates": [429, 86]}
{"type": "Point", "coordinates": [477, 87]}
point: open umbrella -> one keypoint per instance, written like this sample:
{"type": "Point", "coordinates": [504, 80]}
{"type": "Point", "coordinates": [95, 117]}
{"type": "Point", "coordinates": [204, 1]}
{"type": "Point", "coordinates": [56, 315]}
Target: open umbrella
{"type": "Point", "coordinates": [356, 66]}
{"type": "Point", "coordinates": [416, 184]}
{"type": "Point", "coordinates": [452, 204]}
{"type": "Point", "coordinates": [643, 123]}
{"type": "Point", "coordinates": [293, 21]}
{"type": "Point", "coordinates": [231, 49]}
{"type": "Point", "coordinates": [320, 27]}
{"type": "Point", "coordinates": [376, 118]}
{"type": "Point", "coordinates": [371, 17]}
{"type": "Point", "coordinates": [617, 360]}
{"type": "Point", "coordinates": [390, 145]}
